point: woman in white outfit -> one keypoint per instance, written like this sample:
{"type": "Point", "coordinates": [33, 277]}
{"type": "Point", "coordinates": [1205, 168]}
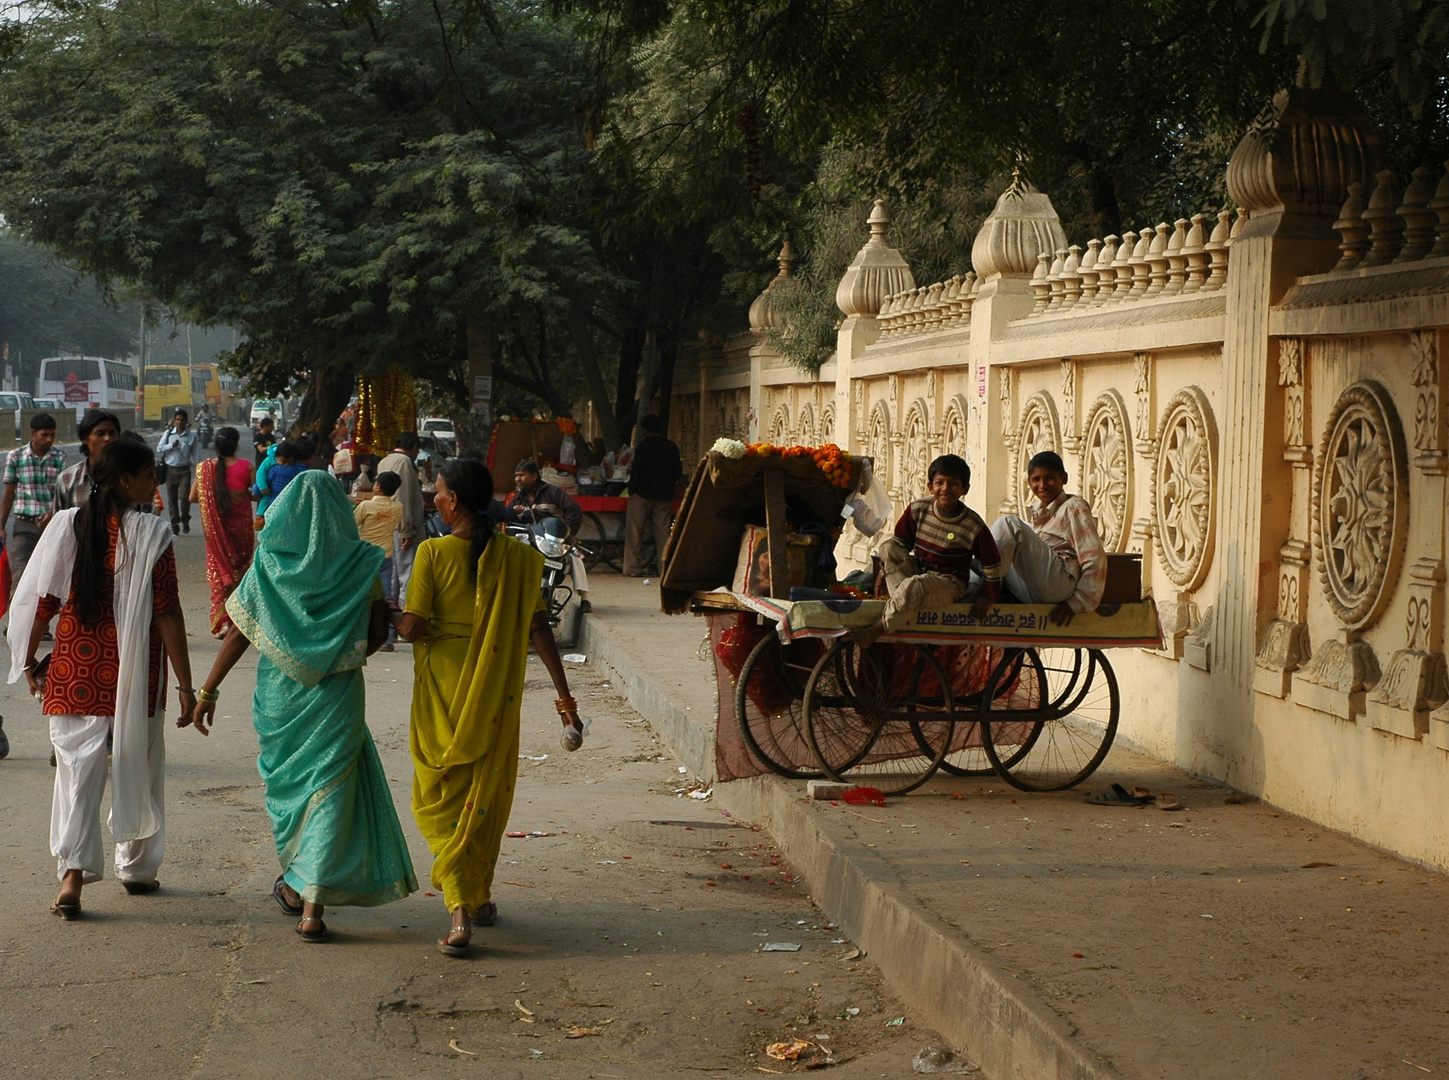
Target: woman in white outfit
{"type": "Point", "coordinates": [109, 573]}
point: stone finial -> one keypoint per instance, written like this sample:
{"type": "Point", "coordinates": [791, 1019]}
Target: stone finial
{"type": "Point", "coordinates": [1088, 270]}
{"type": "Point", "coordinates": [1106, 276]}
{"type": "Point", "coordinates": [1122, 268]}
{"type": "Point", "coordinates": [1217, 249]}
{"type": "Point", "coordinates": [931, 307]}
{"type": "Point", "coordinates": [1141, 270]}
{"type": "Point", "coordinates": [1072, 276]}
{"type": "Point", "coordinates": [1302, 152]}
{"type": "Point", "coordinates": [1385, 225]}
{"type": "Point", "coordinates": [876, 271]}
{"type": "Point", "coordinates": [1440, 205]}
{"type": "Point", "coordinates": [1352, 229]}
{"type": "Point", "coordinates": [1238, 223]}
{"type": "Point", "coordinates": [1194, 252]}
{"type": "Point", "coordinates": [1418, 218]}
{"type": "Point", "coordinates": [1157, 260]}
{"type": "Point", "coordinates": [762, 312]}
{"type": "Point", "coordinates": [1176, 260]}
{"type": "Point", "coordinates": [970, 285]}
{"type": "Point", "coordinates": [1022, 225]}
{"type": "Point", "coordinates": [1054, 280]}
{"type": "Point", "coordinates": [1040, 287]}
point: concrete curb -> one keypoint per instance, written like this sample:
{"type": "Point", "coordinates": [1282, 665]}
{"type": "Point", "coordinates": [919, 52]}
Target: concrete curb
{"type": "Point", "coordinates": [690, 738]}
{"type": "Point", "coordinates": [957, 991]}
{"type": "Point", "coordinates": [954, 989]}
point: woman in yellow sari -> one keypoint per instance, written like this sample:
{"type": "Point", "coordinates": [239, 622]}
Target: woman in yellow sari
{"type": "Point", "coordinates": [474, 605]}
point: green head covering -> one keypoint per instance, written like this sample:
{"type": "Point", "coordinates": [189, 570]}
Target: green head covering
{"type": "Point", "coordinates": [305, 601]}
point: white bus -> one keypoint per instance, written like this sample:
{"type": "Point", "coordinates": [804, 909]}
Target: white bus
{"type": "Point", "coordinates": [89, 382]}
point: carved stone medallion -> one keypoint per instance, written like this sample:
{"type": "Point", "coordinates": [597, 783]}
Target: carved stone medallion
{"type": "Point", "coordinates": [878, 441]}
{"type": "Point", "coordinates": [1106, 472]}
{"type": "Point", "coordinates": [1184, 487]}
{"type": "Point", "coordinates": [1038, 430]}
{"type": "Point", "coordinates": [1360, 504]}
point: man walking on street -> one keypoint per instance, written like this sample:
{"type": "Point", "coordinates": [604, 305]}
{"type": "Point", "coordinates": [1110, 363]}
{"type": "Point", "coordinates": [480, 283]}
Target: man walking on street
{"type": "Point", "coordinates": [30, 475]}
{"type": "Point", "coordinates": [655, 471]}
{"type": "Point", "coordinates": [177, 451]}
{"type": "Point", "coordinates": [410, 493]}
{"type": "Point", "coordinates": [73, 487]}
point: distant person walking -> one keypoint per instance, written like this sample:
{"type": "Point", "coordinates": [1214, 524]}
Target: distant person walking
{"type": "Point", "coordinates": [73, 487]}
{"type": "Point", "coordinates": [264, 438]}
{"type": "Point", "coordinates": [178, 451]}
{"type": "Point", "coordinates": [414, 523]}
{"type": "Point", "coordinates": [655, 471]}
{"type": "Point", "coordinates": [109, 572]}
{"type": "Point", "coordinates": [474, 607]}
{"type": "Point", "coordinates": [223, 492]}
{"type": "Point", "coordinates": [377, 521]}
{"type": "Point", "coordinates": [31, 473]}
{"type": "Point", "coordinates": [312, 605]}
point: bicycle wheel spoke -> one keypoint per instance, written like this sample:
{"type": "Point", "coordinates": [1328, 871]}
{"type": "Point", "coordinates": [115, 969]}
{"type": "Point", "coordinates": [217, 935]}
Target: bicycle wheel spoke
{"type": "Point", "coordinates": [769, 704]}
{"type": "Point", "coordinates": [1068, 744]}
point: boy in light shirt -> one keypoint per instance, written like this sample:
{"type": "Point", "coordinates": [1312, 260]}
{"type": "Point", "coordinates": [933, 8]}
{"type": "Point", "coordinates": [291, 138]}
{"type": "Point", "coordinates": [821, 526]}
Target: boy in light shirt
{"type": "Point", "coordinates": [377, 519]}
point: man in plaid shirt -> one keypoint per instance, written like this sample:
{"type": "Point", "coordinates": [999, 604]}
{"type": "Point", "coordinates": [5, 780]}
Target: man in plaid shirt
{"type": "Point", "coordinates": [1057, 557]}
{"type": "Point", "coordinates": [30, 475]}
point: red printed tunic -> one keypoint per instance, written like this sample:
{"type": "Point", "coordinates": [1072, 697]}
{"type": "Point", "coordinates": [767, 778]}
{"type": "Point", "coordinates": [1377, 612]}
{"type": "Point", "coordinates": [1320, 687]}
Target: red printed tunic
{"type": "Point", "coordinates": [85, 663]}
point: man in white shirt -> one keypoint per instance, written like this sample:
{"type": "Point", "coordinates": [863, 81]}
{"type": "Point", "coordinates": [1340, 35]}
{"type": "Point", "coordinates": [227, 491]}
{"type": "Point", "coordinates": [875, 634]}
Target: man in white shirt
{"type": "Point", "coordinates": [177, 450]}
{"type": "Point", "coordinates": [414, 523]}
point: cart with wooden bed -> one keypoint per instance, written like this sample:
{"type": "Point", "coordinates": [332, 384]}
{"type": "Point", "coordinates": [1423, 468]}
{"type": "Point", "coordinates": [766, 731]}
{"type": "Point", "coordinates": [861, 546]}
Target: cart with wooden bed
{"type": "Point", "coordinates": [1009, 694]}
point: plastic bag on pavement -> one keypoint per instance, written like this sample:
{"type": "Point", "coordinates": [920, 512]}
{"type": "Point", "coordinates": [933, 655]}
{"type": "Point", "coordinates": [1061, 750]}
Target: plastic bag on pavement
{"type": "Point", "coordinates": [937, 1059]}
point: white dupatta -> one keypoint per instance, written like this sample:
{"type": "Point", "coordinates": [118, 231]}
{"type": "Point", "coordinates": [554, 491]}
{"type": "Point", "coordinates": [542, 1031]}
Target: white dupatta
{"type": "Point", "coordinates": [145, 539]}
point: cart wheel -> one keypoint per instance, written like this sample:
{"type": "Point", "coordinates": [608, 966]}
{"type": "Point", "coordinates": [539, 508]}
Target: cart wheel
{"type": "Point", "coordinates": [1064, 742]}
{"type": "Point", "coordinates": [1017, 682]}
{"type": "Point", "coordinates": [593, 545]}
{"type": "Point", "coordinates": [769, 702]}
{"type": "Point", "coordinates": [862, 731]}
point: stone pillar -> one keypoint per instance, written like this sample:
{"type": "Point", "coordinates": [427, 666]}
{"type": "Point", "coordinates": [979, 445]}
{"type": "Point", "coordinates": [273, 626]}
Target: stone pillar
{"type": "Point", "coordinates": [1290, 174]}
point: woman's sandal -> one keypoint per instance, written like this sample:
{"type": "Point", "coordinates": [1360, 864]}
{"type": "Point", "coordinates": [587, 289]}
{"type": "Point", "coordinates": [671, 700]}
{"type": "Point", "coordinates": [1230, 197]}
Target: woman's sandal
{"type": "Point", "coordinates": [449, 945]}
{"type": "Point", "coordinates": [141, 888]}
{"type": "Point", "coordinates": [67, 911]}
{"type": "Point", "coordinates": [279, 894]}
{"type": "Point", "coordinates": [486, 915]}
{"type": "Point", "coordinates": [312, 937]}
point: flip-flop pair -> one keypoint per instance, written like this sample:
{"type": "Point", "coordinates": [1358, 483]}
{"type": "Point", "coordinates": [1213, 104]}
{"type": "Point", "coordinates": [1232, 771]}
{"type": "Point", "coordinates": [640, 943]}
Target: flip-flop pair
{"type": "Point", "coordinates": [1117, 795]}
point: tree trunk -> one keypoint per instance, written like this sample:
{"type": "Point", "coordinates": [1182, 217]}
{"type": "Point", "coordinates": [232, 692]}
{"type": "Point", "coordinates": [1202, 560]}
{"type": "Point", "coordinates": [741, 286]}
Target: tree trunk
{"type": "Point", "coordinates": [327, 394]}
{"type": "Point", "coordinates": [598, 390]}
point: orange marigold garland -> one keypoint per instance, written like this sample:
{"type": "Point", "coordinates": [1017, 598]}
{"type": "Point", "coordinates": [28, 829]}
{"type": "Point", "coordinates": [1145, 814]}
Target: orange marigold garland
{"type": "Point", "coordinates": [829, 459]}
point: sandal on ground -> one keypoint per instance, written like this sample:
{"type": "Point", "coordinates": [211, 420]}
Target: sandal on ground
{"type": "Point", "coordinates": [1166, 800]}
{"type": "Point", "coordinates": [486, 915]}
{"type": "Point", "coordinates": [455, 942]}
{"type": "Point", "coordinates": [140, 888]}
{"type": "Point", "coordinates": [279, 894]}
{"type": "Point", "coordinates": [1117, 795]}
{"type": "Point", "coordinates": [69, 911]}
{"type": "Point", "coordinates": [316, 934]}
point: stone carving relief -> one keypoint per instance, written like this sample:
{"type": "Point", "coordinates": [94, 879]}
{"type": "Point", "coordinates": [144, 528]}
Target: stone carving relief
{"type": "Point", "coordinates": [1040, 430]}
{"type": "Point", "coordinates": [1142, 375]}
{"type": "Point", "coordinates": [1428, 424]}
{"type": "Point", "coordinates": [826, 430]}
{"type": "Point", "coordinates": [1069, 403]}
{"type": "Point", "coordinates": [805, 433]}
{"type": "Point", "coordinates": [779, 432]}
{"type": "Point", "coordinates": [878, 441]}
{"type": "Point", "coordinates": [1360, 504]}
{"type": "Point", "coordinates": [1290, 377]}
{"type": "Point", "coordinates": [915, 453]}
{"type": "Point", "coordinates": [1106, 472]}
{"type": "Point", "coordinates": [953, 427]}
{"type": "Point", "coordinates": [1008, 402]}
{"type": "Point", "coordinates": [1184, 487]}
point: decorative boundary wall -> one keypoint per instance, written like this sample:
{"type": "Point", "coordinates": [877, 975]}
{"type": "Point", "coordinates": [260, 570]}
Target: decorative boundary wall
{"type": "Point", "coordinates": [1254, 401]}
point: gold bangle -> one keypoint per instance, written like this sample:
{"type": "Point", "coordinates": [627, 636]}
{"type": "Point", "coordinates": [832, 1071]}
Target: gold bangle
{"type": "Point", "coordinates": [210, 697]}
{"type": "Point", "coordinates": [564, 704]}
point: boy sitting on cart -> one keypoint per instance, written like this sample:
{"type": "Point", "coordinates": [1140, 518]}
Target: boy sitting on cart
{"type": "Point", "coordinates": [927, 563]}
{"type": "Point", "coordinates": [1057, 556]}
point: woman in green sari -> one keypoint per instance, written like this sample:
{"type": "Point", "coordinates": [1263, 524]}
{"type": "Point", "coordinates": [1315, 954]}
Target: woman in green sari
{"type": "Point", "coordinates": [312, 604]}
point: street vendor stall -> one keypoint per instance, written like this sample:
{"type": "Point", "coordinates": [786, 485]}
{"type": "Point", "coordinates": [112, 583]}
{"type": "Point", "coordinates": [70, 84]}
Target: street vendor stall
{"type": "Point", "coordinates": [1008, 693]}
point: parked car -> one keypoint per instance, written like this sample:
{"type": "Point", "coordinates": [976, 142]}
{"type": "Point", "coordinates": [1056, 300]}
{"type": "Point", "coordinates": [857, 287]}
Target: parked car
{"type": "Point", "coordinates": [440, 426]}
{"type": "Point", "coordinates": [14, 402]}
{"type": "Point", "coordinates": [50, 404]}
{"type": "Point", "coordinates": [264, 407]}
{"type": "Point", "coordinates": [433, 450]}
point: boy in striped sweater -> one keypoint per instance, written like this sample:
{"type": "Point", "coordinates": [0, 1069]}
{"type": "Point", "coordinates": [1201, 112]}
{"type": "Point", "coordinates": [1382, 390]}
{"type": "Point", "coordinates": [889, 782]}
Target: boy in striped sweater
{"type": "Point", "coordinates": [927, 563]}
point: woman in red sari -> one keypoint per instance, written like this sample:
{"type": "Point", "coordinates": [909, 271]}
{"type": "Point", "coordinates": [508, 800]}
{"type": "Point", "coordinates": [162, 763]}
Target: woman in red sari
{"type": "Point", "coordinates": [221, 489]}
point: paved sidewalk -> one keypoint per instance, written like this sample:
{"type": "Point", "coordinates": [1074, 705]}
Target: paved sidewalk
{"type": "Point", "coordinates": [1047, 937]}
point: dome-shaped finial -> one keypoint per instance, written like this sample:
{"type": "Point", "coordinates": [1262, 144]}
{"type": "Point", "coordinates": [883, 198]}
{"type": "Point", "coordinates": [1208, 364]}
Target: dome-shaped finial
{"type": "Point", "coordinates": [762, 312]}
{"type": "Point", "coordinates": [1022, 226]}
{"type": "Point", "coordinates": [877, 271]}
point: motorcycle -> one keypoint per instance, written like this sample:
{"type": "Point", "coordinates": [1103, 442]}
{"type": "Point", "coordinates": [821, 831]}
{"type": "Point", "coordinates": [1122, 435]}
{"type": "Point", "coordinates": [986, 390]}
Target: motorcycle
{"type": "Point", "coordinates": [204, 431]}
{"type": "Point", "coordinates": [550, 537]}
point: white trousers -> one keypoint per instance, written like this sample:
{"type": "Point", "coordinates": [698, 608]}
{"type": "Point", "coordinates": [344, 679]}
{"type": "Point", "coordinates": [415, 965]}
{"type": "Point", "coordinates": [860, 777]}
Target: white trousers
{"type": "Point", "coordinates": [80, 784]}
{"type": "Point", "coordinates": [402, 564]}
{"type": "Point", "coordinates": [1035, 573]}
{"type": "Point", "coordinates": [578, 572]}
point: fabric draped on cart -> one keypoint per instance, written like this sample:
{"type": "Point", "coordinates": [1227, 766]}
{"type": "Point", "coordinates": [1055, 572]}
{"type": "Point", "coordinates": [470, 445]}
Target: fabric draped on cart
{"type": "Point", "coordinates": [230, 538]}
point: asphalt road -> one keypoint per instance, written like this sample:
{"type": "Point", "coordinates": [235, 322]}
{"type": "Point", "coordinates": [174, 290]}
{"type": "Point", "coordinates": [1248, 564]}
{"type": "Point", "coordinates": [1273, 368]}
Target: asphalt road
{"type": "Point", "coordinates": [629, 944]}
